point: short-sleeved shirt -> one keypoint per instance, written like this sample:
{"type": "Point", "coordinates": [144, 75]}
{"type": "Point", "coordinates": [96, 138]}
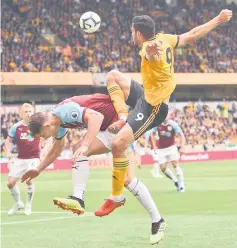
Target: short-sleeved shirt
{"type": "Point", "coordinates": [167, 133]}
{"type": "Point", "coordinates": [158, 76]}
{"type": "Point", "coordinates": [27, 146]}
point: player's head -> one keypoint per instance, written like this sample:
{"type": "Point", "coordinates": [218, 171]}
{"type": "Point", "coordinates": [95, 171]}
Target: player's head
{"type": "Point", "coordinates": [26, 111]}
{"type": "Point", "coordinates": [40, 126]}
{"type": "Point", "coordinates": [143, 29]}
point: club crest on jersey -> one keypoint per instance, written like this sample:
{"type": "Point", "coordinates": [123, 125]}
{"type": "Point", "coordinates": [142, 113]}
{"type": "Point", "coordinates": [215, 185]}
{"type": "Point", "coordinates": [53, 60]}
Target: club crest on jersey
{"type": "Point", "coordinates": [74, 115]}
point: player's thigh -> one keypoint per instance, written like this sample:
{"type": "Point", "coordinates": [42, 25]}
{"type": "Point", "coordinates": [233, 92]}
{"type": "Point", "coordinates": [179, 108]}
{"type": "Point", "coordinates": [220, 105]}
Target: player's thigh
{"type": "Point", "coordinates": [136, 92]}
{"type": "Point", "coordinates": [161, 114]}
{"type": "Point", "coordinates": [32, 163]}
{"type": "Point", "coordinates": [173, 156]}
{"type": "Point", "coordinates": [101, 144]}
{"type": "Point", "coordinates": [141, 118]}
{"type": "Point", "coordinates": [18, 168]}
{"type": "Point", "coordinates": [162, 157]}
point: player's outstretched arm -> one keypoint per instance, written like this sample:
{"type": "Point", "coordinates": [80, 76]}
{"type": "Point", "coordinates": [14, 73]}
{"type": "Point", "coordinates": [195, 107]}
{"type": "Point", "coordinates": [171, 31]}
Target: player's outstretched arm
{"type": "Point", "coordinates": [7, 147]}
{"type": "Point", "coordinates": [53, 153]}
{"type": "Point", "coordinates": [182, 143]}
{"type": "Point", "coordinates": [51, 156]}
{"type": "Point", "coordinates": [202, 30]}
{"type": "Point", "coordinates": [93, 120]}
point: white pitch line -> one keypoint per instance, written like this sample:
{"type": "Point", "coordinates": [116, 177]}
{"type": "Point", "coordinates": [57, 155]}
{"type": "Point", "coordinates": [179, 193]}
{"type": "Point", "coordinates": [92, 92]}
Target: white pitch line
{"type": "Point", "coordinates": [40, 220]}
{"type": "Point", "coordinates": [54, 212]}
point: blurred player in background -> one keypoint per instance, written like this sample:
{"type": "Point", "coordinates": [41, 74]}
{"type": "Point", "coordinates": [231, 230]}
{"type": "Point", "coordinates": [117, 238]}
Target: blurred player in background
{"type": "Point", "coordinates": [151, 151]}
{"type": "Point", "coordinates": [28, 158]}
{"type": "Point", "coordinates": [96, 112]}
{"type": "Point", "coordinates": [150, 104]}
{"type": "Point", "coordinates": [163, 142]}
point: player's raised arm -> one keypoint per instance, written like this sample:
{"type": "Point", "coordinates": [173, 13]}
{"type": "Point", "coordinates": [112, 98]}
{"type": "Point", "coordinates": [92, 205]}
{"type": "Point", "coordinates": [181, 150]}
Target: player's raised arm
{"type": "Point", "coordinates": [202, 30]}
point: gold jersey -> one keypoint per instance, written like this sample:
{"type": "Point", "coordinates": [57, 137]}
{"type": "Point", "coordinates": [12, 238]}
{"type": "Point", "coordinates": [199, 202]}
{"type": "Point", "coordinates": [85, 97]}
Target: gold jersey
{"type": "Point", "coordinates": [158, 76]}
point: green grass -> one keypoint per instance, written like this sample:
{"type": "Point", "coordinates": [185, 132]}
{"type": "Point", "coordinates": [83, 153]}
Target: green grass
{"type": "Point", "coordinates": [203, 217]}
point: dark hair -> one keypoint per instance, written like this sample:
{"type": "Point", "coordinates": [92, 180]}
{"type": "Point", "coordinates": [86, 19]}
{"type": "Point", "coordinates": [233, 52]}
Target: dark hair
{"type": "Point", "coordinates": [144, 24]}
{"type": "Point", "coordinates": [36, 122]}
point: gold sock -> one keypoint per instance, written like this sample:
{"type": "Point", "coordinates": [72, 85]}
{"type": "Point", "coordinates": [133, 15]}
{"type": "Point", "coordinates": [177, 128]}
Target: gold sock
{"type": "Point", "coordinates": [119, 174]}
{"type": "Point", "coordinates": [118, 99]}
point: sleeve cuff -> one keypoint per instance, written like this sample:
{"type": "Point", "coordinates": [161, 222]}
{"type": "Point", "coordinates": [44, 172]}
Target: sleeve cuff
{"type": "Point", "coordinates": [83, 114]}
{"type": "Point", "coordinates": [177, 43]}
{"type": "Point", "coordinates": [61, 137]}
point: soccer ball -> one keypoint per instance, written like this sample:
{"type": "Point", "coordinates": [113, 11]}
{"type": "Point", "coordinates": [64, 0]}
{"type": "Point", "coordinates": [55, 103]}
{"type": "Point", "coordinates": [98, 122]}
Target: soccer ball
{"type": "Point", "coordinates": [90, 22]}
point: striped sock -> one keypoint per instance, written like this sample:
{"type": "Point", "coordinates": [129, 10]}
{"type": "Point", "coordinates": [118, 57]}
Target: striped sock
{"type": "Point", "coordinates": [118, 99]}
{"type": "Point", "coordinates": [118, 176]}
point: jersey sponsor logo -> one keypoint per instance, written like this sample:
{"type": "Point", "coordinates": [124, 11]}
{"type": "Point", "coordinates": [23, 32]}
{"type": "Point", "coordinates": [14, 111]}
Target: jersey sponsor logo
{"type": "Point", "coordinates": [166, 134]}
{"type": "Point", "coordinates": [23, 136]}
{"type": "Point", "coordinates": [26, 136]}
{"type": "Point", "coordinates": [140, 116]}
{"type": "Point", "coordinates": [74, 115]}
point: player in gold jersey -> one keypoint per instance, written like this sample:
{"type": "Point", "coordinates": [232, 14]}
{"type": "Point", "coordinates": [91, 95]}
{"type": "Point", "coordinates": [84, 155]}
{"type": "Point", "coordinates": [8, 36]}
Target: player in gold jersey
{"type": "Point", "coordinates": [150, 102]}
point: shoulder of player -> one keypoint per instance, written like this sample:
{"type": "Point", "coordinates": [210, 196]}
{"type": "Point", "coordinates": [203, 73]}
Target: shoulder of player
{"type": "Point", "coordinates": [17, 125]}
{"type": "Point", "coordinates": [14, 128]}
{"type": "Point", "coordinates": [172, 123]}
{"type": "Point", "coordinates": [166, 38]}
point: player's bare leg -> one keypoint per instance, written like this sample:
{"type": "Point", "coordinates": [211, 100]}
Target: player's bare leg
{"type": "Point", "coordinates": [180, 176]}
{"type": "Point", "coordinates": [80, 174]}
{"type": "Point", "coordinates": [118, 86]}
{"type": "Point", "coordinates": [29, 197]}
{"type": "Point", "coordinates": [168, 173]}
{"type": "Point", "coordinates": [142, 194]}
{"type": "Point", "coordinates": [120, 167]}
{"type": "Point", "coordinates": [156, 167]}
{"type": "Point", "coordinates": [15, 192]}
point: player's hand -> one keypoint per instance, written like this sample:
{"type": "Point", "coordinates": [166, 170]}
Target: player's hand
{"type": "Point", "coordinates": [154, 49]}
{"type": "Point", "coordinates": [10, 163]}
{"type": "Point", "coordinates": [181, 150]}
{"type": "Point", "coordinates": [225, 15]}
{"type": "Point", "coordinates": [30, 174]}
{"type": "Point", "coordinates": [79, 152]}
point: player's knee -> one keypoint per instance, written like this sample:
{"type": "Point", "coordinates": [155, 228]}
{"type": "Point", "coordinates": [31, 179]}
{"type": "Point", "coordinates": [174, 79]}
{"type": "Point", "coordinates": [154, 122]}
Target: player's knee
{"type": "Point", "coordinates": [111, 76]}
{"type": "Point", "coordinates": [175, 164]}
{"type": "Point", "coordinates": [11, 184]}
{"type": "Point", "coordinates": [162, 167]}
{"type": "Point", "coordinates": [118, 145]}
{"type": "Point", "coordinates": [29, 183]}
{"type": "Point", "coordinates": [128, 180]}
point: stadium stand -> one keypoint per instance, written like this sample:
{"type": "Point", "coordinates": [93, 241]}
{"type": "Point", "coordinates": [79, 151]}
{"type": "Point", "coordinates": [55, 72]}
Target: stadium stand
{"type": "Point", "coordinates": [45, 36]}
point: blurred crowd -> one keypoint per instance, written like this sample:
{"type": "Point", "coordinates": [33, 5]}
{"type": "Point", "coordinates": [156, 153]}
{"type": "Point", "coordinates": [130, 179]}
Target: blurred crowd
{"type": "Point", "coordinates": [202, 126]}
{"type": "Point", "coordinates": [207, 128]}
{"type": "Point", "coordinates": [45, 36]}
